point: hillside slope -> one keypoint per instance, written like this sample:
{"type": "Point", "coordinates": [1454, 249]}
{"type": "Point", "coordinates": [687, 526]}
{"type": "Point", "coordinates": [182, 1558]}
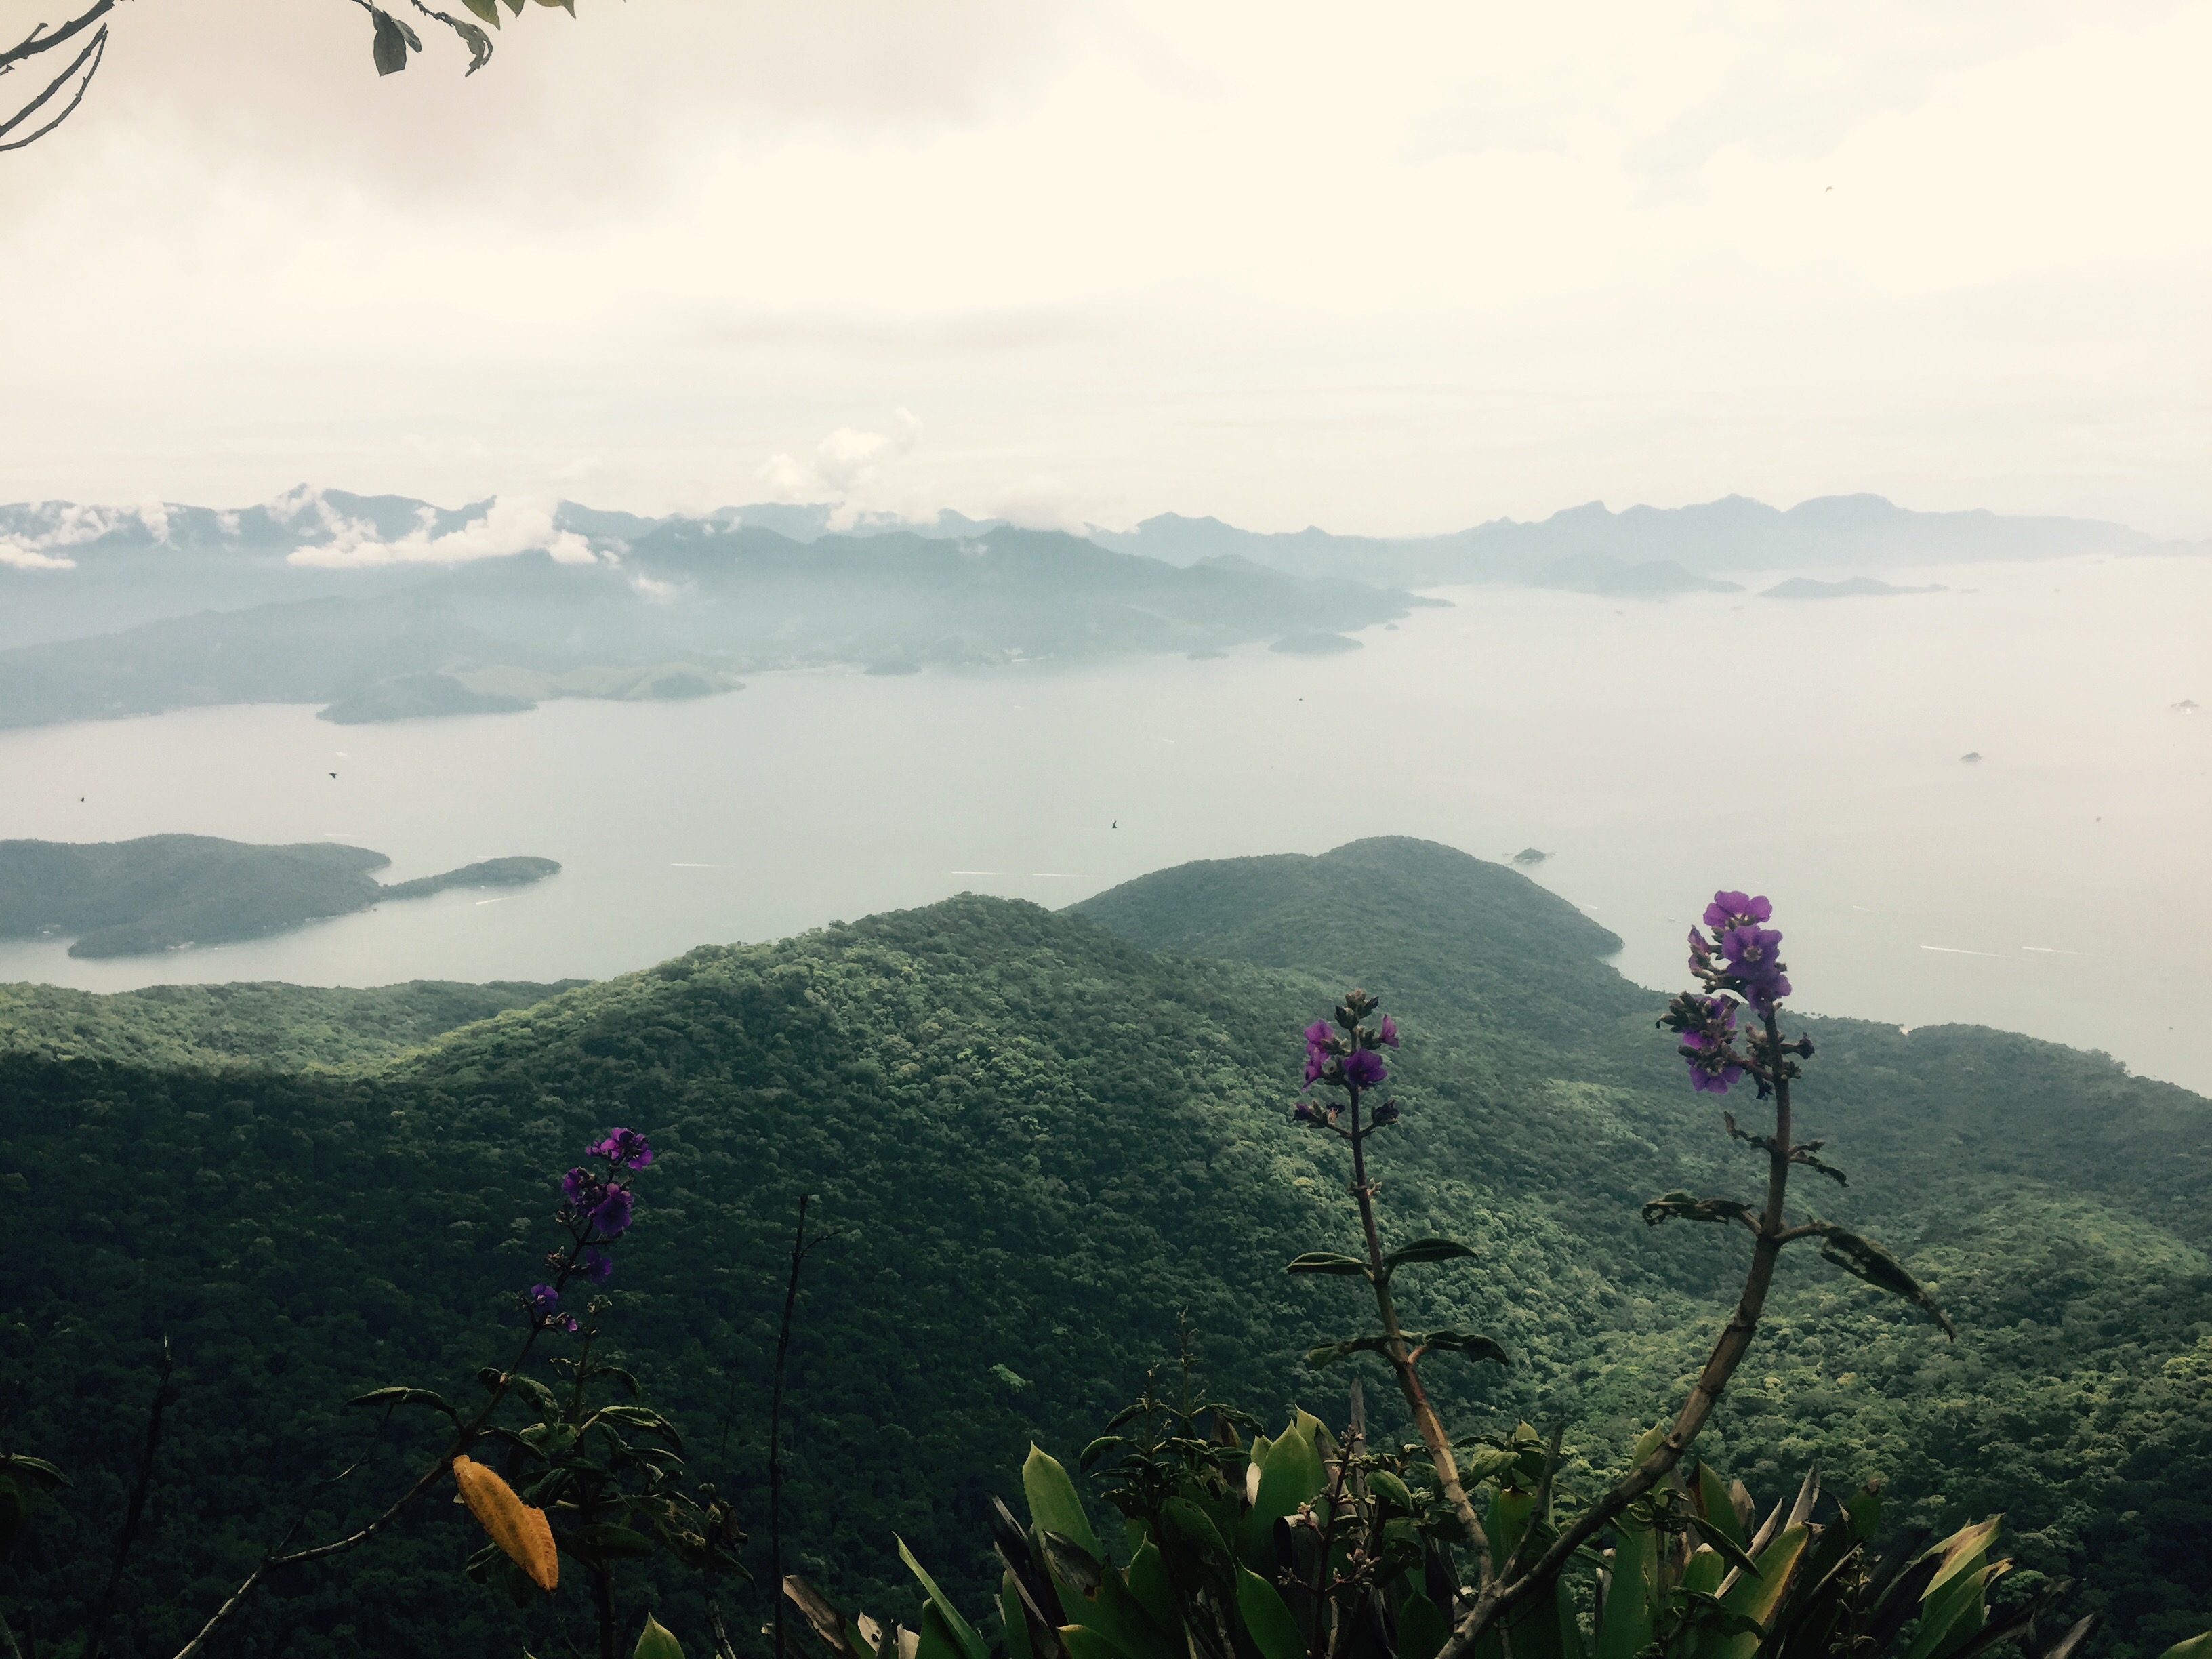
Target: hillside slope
{"type": "Point", "coordinates": [1045, 1141]}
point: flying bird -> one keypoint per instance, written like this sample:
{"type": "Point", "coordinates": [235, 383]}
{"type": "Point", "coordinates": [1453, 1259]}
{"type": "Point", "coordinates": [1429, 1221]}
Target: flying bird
{"type": "Point", "coordinates": [334, 774]}
{"type": "Point", "coordinates": [1116, 824]}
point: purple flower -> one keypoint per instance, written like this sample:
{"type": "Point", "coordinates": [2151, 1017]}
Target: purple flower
{"type": "Point", "coordinates": [1305, 1112]}
{"type": "Point", "coordinates": [1389, 1031]}
{"type": "Point", "coordinates": [1318, 1034]}
{"type": "Point", "coordinates": [625, 1149]}
{"type": "Point", "coordinates": [583, 1188]}
{"type": "Point", "coordinates": [1752, 953]}
{"type": "Point", "coordinates": [596, 1265]}
{"type": "Point", "coordinates": [542, 1300]}
{"type": "Point", "coordinates": [1765, 992]}
{"type": "Point", "coordinates": [1730, 909]}
{"type": "Point", "coordinates": [1314, 1063]}
{"type": "Point", "coordinates": [1364, 1069]}
{"type": "Point", "coordinates": [610, 1215]}
{"type": "Point", "coordinates": [1705, 1080]}
{"type": "Point", "coordinates": [562, 1322]}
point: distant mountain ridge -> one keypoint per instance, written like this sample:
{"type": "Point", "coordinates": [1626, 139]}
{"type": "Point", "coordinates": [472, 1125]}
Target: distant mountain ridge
{"type": "Point", "coordinates": [1709, 539]}
{"type": "Point", "coordinates": [386, 607]}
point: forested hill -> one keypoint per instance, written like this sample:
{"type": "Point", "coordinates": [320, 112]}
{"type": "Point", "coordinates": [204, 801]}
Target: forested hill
{"type": "Point", "coordinates": [1046, 1141]}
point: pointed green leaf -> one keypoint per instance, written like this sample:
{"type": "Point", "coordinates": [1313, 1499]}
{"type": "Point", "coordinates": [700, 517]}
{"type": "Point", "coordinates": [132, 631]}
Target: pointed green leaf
{"type": "Point", "coordinates": [1633, 1597]}
{"type": "Point", "coordinates": [1013, 1624]}
{"type": "Point", "coordinates": [1718, 1508]}
{"type": "Point", "coordinates": [957, 1629]}
{"type": "Point", "coordinates": [2196, 1647]}
{"type": "Point", "coordinates": [1149, 1583]}
{"type": "Point", "coordinates": [1428, 1249]}
{"type": "Point", "coordinates": [1325, 1261]}
{"type": "Point", "coordinates": [1083, 1643]}
{"type": "Point", "coordinates": [486, 10]}
{"type": "Point", "coordinates": [1725, 1547]}
{"type": "Point", "coordinates": [1266, 1619]}
{"type": "Point", "coordinates": [655, 1642]}
{"type": "Point", "coordinates": [937, 1639]}
{"type": "Point", "coordinates": [1861, 1258]}
{"type": "Point", "coordinates": [1290, 1477]}
{"type": "Point", "coordinates": [1054, 1505]}
{"type": "Point", "coordinates": [1668, 1207]}
{"type": "Point", "coordinates": [1472, 1344]}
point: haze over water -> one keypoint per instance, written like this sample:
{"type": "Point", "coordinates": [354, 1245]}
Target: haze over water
{"type": "Point", "coordinates": [2057, 886]}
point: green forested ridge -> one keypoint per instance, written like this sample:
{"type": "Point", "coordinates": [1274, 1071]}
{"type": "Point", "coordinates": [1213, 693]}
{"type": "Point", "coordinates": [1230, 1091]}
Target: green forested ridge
{"type": "Point", "coordinates": [1046, 1142]}
{"type": "Point", "coordinates": [281, 1027]}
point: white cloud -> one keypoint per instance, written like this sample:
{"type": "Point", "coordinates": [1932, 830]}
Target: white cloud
{"type": "Point", "coordinates": [21, 555]}
{"type": "Point", "coordinates": [846, 470]}
{"type": "Point", "coordinates": [509, 526]}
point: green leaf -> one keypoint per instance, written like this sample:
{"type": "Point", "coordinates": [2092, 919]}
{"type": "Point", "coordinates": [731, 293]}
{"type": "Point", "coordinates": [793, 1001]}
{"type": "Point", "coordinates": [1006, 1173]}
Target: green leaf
{"type": "Point", "coordinates": [1014, 1623]}
{"type": "Point", "coordinates": [1154, 1591]}
{"type": "Point", "coordinates": [1325, 1261]}
{"type": "Point", "coordinates": [34, 1473]}
{"type": "Point", "coordinates": [1756, 1599]}
{"type": "Point", "coordinates": [937, 1639]}
{"type": "Point", "coordinates": [1472, 1344]}
{"type": "Point", "coordinates": [970, 1646]}
{"type": "Point", "coordinates": [401, 1396]}
{"type": "Point", "coordinates": [2196, 1647]}
{"type": "Point", "coordinates": [1266, 1619]}
{"type": "Point", "coordinates": [1329, 1352]}
{"type": "Point", "coordinates": [1671, 1206]}
{"type": "Point", "coordinates": [568, 6]}
{"type": "Point", "coordinates": [1728, 1548]}
{"type": "Point", "coordinates": [388, 50]}
{"type": "Point", "coordinates": [1633, 1596]}
{"type": "Point", "coordinates": [486, 10]}
{"type": "Point", "coordinates": [1421, 1627]}
{"type": "Point", "coordinates": [1292, 1477]}
{"type": "Point", "coordinates": [1193, 1541]}
{"type": "Point", "coordinates": [655, 1642]}
{"type": "Point", "coordinates": [1427, 1250]}
{"type": "Point", "coordinates": [1054, 1505]}
{"type": "Point", "coordinates": [1097, 1449]}
{"type": "Point", "coordinates": [1861, 1258]}
{"type": "Point", "coordinates": [1718, 1508]}
{"type": "Point", "coordinates": [477, 42]}
{"type": "Point", "coordinates": [1384, 1484]}
{"type": "Point", "coordinates": [1083, 1643]}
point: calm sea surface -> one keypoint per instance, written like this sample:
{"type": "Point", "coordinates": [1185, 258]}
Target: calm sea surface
{"type": "Point", "coordinates": [2059, 886]}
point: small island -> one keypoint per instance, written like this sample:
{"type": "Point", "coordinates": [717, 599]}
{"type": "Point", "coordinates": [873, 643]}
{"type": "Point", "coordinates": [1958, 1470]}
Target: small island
{"type": "Point", "coordinates": [1853, 587]}
{"type": "Point", "coordinates": [164, 892]}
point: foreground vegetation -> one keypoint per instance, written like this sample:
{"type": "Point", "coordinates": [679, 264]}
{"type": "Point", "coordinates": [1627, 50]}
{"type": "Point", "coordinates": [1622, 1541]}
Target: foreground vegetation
{"type": "Point", "coordinates": [1047, 1146]}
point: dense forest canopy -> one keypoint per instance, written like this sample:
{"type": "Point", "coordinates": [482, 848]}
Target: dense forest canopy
{"type": "Point", "coordinates": [1048, 1140]}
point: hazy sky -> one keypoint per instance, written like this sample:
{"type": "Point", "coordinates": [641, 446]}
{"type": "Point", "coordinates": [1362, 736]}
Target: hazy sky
{"type": "Point", "coordinates": [1391, 268]}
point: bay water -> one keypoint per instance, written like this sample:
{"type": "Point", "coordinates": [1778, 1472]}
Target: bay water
{"type": "Point", "coordinates": [2059, 885]}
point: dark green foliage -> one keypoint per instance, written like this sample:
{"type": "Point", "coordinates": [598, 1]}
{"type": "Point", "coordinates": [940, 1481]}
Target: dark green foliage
{"type": "Point", "coordinates": [129, 897]}
{"type": "Point", "coordinates": [284, 1028]}
{"type": "Point", "coordinates": [1046, 1143]}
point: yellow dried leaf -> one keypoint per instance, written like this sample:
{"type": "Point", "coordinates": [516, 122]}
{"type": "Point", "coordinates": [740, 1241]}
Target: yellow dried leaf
{"type": "Point", "coordinates": [512, 1524]}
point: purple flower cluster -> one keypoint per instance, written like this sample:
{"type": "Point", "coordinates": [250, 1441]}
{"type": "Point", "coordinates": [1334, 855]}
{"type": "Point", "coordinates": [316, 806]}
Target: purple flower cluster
{"type": "Point", "coordinates": [1345, 1053]}
{"type": "Point", "coordinates": [1742, 955]}
{"type": "Point", "coordinates": [543, 1302]}
{"type": "Point", "coordinates": [1709, 1046]}
{"type": "Point", "coordinates": [597, 1204]}
{"type": "Point", "coordinates": [1736, 955]}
